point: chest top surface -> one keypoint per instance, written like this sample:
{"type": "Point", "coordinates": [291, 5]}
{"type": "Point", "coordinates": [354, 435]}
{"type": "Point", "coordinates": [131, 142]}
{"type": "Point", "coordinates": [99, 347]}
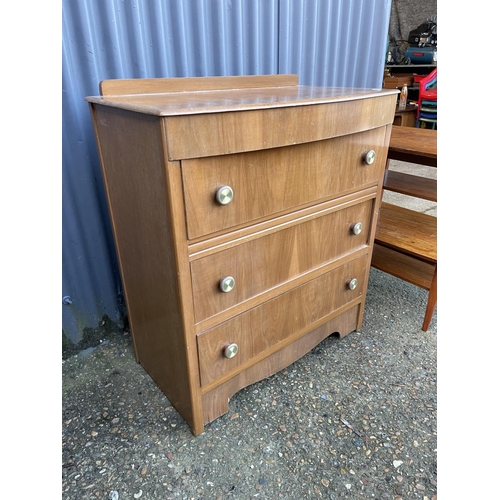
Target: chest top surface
{"type": "Point", "coordinates": [208, 116]}
{"type": "Point", "coordinates": [236, 99]}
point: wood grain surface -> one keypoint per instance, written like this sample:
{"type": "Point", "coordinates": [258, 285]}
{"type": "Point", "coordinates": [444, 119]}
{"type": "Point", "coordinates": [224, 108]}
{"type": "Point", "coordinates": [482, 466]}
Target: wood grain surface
{"type": "Point", "coordinates": [295, 159]}
{"type": "Point", "coordinates": [268, 182]}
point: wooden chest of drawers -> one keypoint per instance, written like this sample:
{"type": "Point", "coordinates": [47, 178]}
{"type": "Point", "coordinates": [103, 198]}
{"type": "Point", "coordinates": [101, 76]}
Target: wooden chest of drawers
{"type": "Point", "coordinates": [244, 211]}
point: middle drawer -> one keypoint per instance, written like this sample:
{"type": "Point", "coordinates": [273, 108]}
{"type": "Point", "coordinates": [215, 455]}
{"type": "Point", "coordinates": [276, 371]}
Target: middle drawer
{"type": "Point", "coordinates": [260, 264]}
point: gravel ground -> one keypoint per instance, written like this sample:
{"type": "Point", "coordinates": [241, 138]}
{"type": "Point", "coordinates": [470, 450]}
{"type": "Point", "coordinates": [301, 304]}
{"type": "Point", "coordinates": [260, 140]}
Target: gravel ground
{"type": "Point", "coordinates": [354, 418]}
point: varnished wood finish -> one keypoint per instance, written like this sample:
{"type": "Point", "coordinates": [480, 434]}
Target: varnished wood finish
{"type": "Point", "coordinates": [144, 225]}
{"type": "Point", "coordinates": [215, 400]}
{"type": "Point", "coordinates": [414, 145]}
{"type": "Point", "coordinates": [294, 156]}
{"type": "Point", "coordinates": [178, 104]}
{"type": "Point", "coordinates": [193, 137]}
{"type": "Point", "coordinates": [406, 240]}
{"type": "Point", "coordinates": [431, 302]}
{"type": "Point", "coordinates": [411, 185]}
{"type": "Point", "coordinates": [405, 117]}
{"type": "Point", "coordinates": [261, 180]}
{"type": "Point", "coordinates": [268, 261]}
{"type": "Point", "coordinates": [414, 271]}
{"type": "Point", "coordinates": [200, 247]}
{"type": "Point", "coordinates": [410, 232]}
{"type": "Point", "coordinates": [281, 320]}
{"type": "Point", "coordinates": [162, 85]}
{"type": "Point", "coordinates": [272, 293]}
{"type": "Point", "coordinates": [406, 247]}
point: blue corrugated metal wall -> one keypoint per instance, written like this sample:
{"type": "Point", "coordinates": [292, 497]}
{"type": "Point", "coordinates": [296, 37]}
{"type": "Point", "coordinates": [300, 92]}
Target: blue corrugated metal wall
{"type": "Point", "coordinates": [325, 42]}
{"type": "Point", "coordinates": [334, 43]}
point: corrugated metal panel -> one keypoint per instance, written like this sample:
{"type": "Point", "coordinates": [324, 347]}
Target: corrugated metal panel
{"type": "Point", "coordinates": [325, 42]}
{"type": "Point", "coordinates": [135, 39]}
{"type": "Point", "coordinates": [339, 43]}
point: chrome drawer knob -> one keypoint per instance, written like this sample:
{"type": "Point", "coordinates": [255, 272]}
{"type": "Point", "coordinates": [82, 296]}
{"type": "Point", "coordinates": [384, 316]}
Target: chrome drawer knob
{"type": "Point", "coordinates": [357, 228]}
{"type": "Point", "coordinates": [227, 284]}
{"type": "Point", "coordinates": [224, 195]}
{"type": "Point", "coordinates": [352, 284]}
{"type": "Point", "coordinates": [231, 350]}
{"type": "Point", "coordinates": [370, 157]}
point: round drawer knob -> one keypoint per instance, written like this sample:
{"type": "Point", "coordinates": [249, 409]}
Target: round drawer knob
{"type": "Point", "coordinates": [352, 284]}
{"type": "Point", "coordinates": [224, 195]}
{"type": "Point", "coordinates": [231, 350]}
{"type": "Point", "coordinates": [227, 284]}
{"type": "Point", "coordinates": [357, 228]}
{"type": "Point", "coordinates": [370, 157]}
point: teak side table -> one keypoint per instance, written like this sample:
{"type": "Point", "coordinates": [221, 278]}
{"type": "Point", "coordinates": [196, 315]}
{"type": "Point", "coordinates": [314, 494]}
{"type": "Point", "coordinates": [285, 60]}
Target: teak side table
{"type": "Point", "coordinates": [406, 240]}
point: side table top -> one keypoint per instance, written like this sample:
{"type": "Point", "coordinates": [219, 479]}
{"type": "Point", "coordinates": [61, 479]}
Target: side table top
{"type": "Point", "coordinates": [407, 109]}
{"type": "Point", "coordinates": [415, 145]}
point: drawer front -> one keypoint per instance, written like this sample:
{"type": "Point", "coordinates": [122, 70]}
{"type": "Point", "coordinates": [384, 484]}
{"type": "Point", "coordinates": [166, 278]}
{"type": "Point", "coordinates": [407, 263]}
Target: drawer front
{"type": "Point", "coordinates": [214, 133]}
{"type": "Point", "coordinates": [268, 261]}
{"type": "Point", "coordinates": [287, 316]}
{"type": "Point", "coordinates": [276, 180]}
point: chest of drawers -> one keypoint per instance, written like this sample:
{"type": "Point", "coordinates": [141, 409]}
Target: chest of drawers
{"type": "Point", "coordinates": [244, 211]}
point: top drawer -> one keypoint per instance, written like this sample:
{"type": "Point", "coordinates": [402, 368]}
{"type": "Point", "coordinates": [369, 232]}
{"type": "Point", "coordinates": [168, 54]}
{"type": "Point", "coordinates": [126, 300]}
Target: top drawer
{"type": "Point", "coordinates": [266, 126]}
{"type": "Point", "coordinates": [267, 182]}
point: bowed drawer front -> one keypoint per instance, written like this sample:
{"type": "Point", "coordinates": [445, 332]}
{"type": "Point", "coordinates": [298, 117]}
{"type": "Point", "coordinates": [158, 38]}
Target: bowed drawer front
{"type": "Point", "coordinates": [261, 181]}
{"type": "Point", "coordinates": [264, 327]}
{"type": "Point", "coordinates": [244, 211]}
{"type": "Point", "coordinates": [263, 263]}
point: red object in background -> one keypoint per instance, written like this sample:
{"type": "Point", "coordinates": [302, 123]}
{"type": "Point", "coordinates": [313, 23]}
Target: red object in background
{"type": "Point", "coordinates": [426, 94]}
{"type": "Point", "coordinates": [428, 97]}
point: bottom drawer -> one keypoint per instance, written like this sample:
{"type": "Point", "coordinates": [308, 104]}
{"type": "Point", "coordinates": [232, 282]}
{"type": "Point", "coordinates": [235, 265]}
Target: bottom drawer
{"type": "Point", "coordinates": [287, 316]}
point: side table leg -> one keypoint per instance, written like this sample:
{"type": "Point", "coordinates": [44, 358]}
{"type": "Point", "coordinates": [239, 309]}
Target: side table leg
{"type": "Point", "coordinates": [431, 302]}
